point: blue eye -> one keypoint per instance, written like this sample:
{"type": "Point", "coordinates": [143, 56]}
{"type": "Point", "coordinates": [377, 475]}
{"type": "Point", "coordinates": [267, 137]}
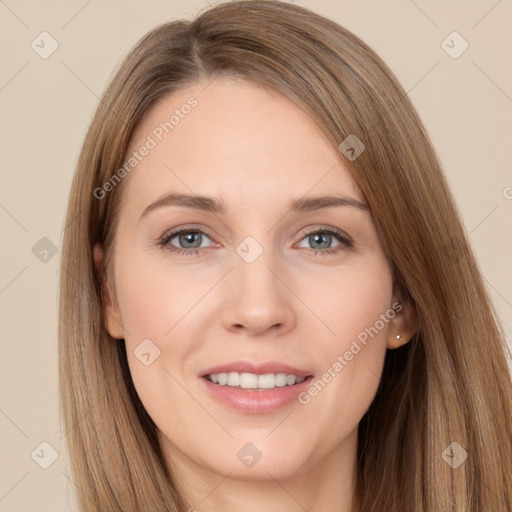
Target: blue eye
{"type": "Point", "coordinates": [187, 237]}
{"type": "Point", "coordinates": [325, 237]}
{"type": "Point", "coordinates": [191, 241]}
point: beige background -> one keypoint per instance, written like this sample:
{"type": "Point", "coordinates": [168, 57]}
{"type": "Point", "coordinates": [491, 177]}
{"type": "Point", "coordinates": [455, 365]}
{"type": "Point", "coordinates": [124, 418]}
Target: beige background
{"type": "Point", "coordinates": [465, 103]}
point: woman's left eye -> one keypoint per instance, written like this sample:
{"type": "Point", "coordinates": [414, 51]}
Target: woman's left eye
{"type": "Point", "coordinates": [324, 239]}
{"type": "Point", "coordinates": [191, 241]}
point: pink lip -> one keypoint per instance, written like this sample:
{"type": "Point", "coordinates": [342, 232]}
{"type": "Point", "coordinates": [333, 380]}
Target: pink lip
{"type": "Point", "coordinates": [252, 401]}
{"type": "Point", "coordinates": [258, 369]}
{"type": "Point", "coordinates": [255, 401]}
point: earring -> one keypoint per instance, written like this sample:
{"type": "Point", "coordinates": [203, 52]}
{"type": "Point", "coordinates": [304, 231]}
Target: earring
{"type": "Point", "coordinates": [398, 336]}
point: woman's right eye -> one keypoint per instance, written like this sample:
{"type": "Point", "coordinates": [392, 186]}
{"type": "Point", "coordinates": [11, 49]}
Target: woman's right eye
{"type": "Point", "coordinates": [185, 237]}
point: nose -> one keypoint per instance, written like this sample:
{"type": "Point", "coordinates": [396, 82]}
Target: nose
{"type": "Point", "coordinates": [259, 302]}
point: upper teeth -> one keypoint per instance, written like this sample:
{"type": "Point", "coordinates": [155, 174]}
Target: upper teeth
{"type": "Point", "coordinates": [253, 381]}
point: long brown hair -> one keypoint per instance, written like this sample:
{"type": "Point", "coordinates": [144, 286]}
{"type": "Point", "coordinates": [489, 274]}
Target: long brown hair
{"type": "Point", "coordinates": [449, 384]}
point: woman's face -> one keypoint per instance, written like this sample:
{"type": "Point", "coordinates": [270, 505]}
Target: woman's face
{"type": "Point", "coordinates": [268, 285]}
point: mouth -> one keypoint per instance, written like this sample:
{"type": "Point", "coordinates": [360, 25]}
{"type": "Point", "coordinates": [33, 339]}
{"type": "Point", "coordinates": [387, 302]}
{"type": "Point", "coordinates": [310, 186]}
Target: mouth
{"type": "Point", "coordinates": [255, 389]}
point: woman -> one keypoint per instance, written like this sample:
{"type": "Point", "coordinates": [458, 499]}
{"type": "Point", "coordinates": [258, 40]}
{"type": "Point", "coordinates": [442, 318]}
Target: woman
{"type": "Point", "coordinates": [254, 368]}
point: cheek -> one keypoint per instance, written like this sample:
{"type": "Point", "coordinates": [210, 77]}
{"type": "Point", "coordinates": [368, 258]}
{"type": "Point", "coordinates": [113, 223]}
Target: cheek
{"type": "Point", "coordinates": [154, 298]}
{"type": "Point", "coordinates": [351, 301]}
{"type": "Point", "coordinates": [359, 314]}
{"type": "Point", "coordinates": [364, 298]}
{"type": "Point", "coordinates": [162, 313]}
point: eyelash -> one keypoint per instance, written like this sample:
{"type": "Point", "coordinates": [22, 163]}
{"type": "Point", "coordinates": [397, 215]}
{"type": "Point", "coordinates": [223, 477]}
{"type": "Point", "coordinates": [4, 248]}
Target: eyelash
{"type": "Point", "coordinates": [164, 242]}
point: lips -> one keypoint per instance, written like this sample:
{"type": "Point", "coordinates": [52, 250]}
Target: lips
{"type": "Point", "coordinates": [245, 396]}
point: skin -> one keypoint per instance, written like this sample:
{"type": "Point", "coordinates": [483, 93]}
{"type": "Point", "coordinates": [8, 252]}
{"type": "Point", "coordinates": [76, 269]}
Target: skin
{"type": "Point", "coordinates": [257, 151]}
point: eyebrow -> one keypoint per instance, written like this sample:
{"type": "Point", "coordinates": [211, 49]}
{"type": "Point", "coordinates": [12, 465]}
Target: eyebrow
{"type": "Point", "coordinates": [213, 205]}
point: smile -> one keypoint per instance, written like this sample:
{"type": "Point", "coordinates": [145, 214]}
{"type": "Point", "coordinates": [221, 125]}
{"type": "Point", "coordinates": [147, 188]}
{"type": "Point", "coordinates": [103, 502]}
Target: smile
{"type": "Point", "coordinates": [254, 381]}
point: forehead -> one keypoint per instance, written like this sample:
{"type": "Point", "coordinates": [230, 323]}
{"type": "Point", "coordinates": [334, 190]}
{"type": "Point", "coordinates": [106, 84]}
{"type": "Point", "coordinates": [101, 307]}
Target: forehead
{"type": "Point", "coordinates": [236, 140]}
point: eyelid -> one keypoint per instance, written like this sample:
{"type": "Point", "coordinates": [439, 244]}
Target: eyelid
{"type": "Point", "coordinates": [172, 232]}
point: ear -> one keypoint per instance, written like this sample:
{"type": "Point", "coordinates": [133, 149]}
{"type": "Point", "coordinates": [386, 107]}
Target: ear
{"type": "Point", "coordinates": [110, 309]}
{"type": "Point", "coordinates": [403, 325]}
